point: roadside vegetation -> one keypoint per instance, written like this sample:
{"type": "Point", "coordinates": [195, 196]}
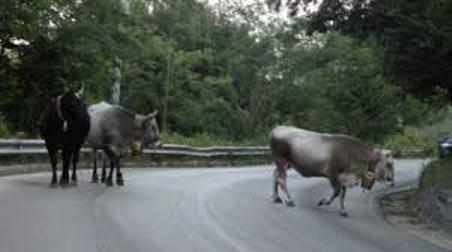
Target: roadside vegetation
{"type": "Point", "coordinates": [222, 73]}
{"type": "Point", "coordinates": [438, 175]}
{"type": "Point", "coordinates": [4, 132]}
{"type": "Point", "coordinates": [412, 140]}
{"type": "Point", "coordinates": [225, 73]}
{"type": "Point", "coordinates": [204, 140]}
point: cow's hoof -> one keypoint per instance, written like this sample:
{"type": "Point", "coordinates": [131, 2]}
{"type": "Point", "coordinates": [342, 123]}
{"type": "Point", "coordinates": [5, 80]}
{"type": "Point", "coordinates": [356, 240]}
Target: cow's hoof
{"type": "Point", "coordinates": [120, 182]}
{"type": "Point", "coordinates": [321, 202]}
{"type": "Point", "coordinates": [53, 184]}
{"type": "Point", "coordinates": [277, 200]}
{"type": "Point", "coordinates": [95, 179]}
{"type": "Point", "coordinates": [343, 214]}
{"type": "Point", "coordinates": [103, 179]}
{"type": "Point", "coordinates": [290, 203]}
{"type": "Point", "coordinates": [64, 182]}
{"type": "Point", "coordinates": [109, 182]}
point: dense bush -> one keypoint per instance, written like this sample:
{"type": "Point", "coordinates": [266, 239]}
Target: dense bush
{"type": "Point", "coordinates": [3, 127]}
{"type": "Point", "coordinates": [411, 139]}
{"type": "Point", "coordinates": [437, 175]}
{"type": "Point", "coordinates": [229, 76]}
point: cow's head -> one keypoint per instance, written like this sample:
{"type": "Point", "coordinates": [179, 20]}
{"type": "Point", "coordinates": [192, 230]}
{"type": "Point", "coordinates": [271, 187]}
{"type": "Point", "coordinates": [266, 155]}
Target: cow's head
{"type": "Point", "coordinates": [70, 107]}
{"type": "Point", "coordinates": [151, 130]}
{"type": "Point", "coordinates": [385, 167]}
{"type": "Point", "coordinates": [381, 168]}
{"type": "Point", "coordinates": [146, 132]}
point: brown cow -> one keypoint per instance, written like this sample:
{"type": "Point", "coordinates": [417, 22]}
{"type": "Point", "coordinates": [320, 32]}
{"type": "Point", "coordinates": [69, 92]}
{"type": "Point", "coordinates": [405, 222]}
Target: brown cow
{"type": "Point", "coordinates": [343, 160]}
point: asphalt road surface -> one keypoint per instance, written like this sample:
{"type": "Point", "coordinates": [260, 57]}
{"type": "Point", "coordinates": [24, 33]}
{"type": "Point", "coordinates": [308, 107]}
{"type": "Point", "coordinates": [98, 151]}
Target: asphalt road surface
{"type": "Point", "coordinates": [210, 209]}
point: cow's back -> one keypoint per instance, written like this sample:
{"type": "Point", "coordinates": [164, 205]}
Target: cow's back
{"type": "Point", "coordinates": [111, 125]}
{"type": "Point", "coordinates": [103, 123]}
{"type": "Point", "coordinates": [305, 150]}
{"type": "Point", "coordinates": [52, 127]}
{"type": "Point", "coordinates": [350, 154]}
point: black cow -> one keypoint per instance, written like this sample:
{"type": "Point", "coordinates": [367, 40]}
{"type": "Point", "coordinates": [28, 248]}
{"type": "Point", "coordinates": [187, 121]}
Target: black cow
{"type": "Point", "coordinates": [65, 126]}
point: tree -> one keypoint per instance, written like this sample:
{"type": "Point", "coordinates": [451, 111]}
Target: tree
{"type": "Point", "coordinates": [414, 37]}
{"type": "Point", "coordinates": [338, 86]}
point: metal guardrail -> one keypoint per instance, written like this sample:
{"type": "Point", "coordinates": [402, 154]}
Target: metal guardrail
{"type": "Point", "coordinates": [36, 146]}
{"type": "Point", "coordinates": [18, 156]}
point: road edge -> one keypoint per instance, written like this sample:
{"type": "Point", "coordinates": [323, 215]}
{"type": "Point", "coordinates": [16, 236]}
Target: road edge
{"type": "Point", "coordinates": [437, 236]}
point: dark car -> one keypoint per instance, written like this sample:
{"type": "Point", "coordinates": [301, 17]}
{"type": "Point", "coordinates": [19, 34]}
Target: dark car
{"type": "Point", "coordinates": [445, 146]}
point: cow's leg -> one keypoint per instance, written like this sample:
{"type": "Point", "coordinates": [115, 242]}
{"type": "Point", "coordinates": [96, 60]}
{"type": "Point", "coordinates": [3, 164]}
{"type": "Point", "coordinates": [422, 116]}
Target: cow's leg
{"type": "Point", "coordinates": [282, 178]}
{"type": "Point", "coordinates": [275, 195]}
{"type": "Point", "coordinates": [336, 191]}
{"type": "Point", "coordinates": [53, 155]}
{"type": "Point", "coordinates": [94, 177]}
{"type": "Point", "coordinates": [113, 162]}
{"type": "Point", "coordinates": [119, 179]}
{"type": "Point", "coordinates": [64, 179]}
{"type": "Point", "coordinates": [343, 211]}
{"type": "Point", "coordinates": [75, 157]}
{"type": "Point", "coordinates": [104, 168]}
{"type": "Point", "coordinates": [281, 166]}
{"type": "Point", "coordinates": [109, 179]}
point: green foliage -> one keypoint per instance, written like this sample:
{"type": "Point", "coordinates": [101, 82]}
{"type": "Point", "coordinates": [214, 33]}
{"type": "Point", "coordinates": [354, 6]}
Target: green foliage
{"type": "Point", "coordinates": [438, 175]}
{"type": "Point", "coordinates": [441, 126]}
{"type": "Point", "coordinates": [339, 87]}
{"type": "Point", "coordinates": [202, 72]}
{"type": "Point", "coordinates": [414, 38]}
{"type": "Point", "coordinates": [212, 77]}
{"type": "Point", "coordinates": [422, 136]}
{"type": "Point", "coordinates": [204, 139]}
{"type": "Point", "coordinates": [411, 139]}
{"type": "Point", "coordinates": [3, 127]}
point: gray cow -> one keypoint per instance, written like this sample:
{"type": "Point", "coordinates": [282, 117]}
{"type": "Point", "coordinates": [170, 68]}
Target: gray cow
{"type": "Point", "coordinates": [343, 160]}
{"type": "Point", "coordinates": [115, 130]}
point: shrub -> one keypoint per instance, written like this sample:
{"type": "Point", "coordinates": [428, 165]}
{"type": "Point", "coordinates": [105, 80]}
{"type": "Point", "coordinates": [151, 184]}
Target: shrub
{"type": "Point", "coordinates": [3, 127]}
{"type": "Point", "coordinates": [411, 139]}
{"type": "Point", "coordinates": [438, 175]}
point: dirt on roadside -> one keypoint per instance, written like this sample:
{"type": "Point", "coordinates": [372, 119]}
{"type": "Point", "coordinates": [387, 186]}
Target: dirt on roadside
{"type": "Point", "coordinates": [402, 210]}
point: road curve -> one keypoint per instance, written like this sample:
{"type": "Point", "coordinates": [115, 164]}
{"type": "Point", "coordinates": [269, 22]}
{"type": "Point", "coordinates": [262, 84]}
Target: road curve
{"type": "Point", "coordinates": [220, 209]}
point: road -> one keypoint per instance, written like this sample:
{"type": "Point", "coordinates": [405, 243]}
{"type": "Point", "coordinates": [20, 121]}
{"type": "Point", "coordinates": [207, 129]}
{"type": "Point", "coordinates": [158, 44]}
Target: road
{"type": "Point", "coordinates": [210, 209]}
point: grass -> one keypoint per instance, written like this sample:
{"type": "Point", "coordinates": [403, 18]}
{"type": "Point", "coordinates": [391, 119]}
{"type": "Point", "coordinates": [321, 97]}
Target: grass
{"type": "Point", "coordinates": [438, 174]}
{"type": "Point", "coordinates": [401, 204]}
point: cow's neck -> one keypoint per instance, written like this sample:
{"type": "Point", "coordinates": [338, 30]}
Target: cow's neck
{"type": "Point", "coordinates": [138, 126]}
{"type": "Point", "coordinates": [59, 107]}
{"type": "Point", "coordinates": [128, 122]}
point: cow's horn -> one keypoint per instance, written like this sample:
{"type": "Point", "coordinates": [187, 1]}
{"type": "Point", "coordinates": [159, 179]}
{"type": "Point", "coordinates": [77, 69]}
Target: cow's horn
{"type": "Point", "coordinates": [153, 113]}
{"type": "Point", "coordinates": [80, 92]}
